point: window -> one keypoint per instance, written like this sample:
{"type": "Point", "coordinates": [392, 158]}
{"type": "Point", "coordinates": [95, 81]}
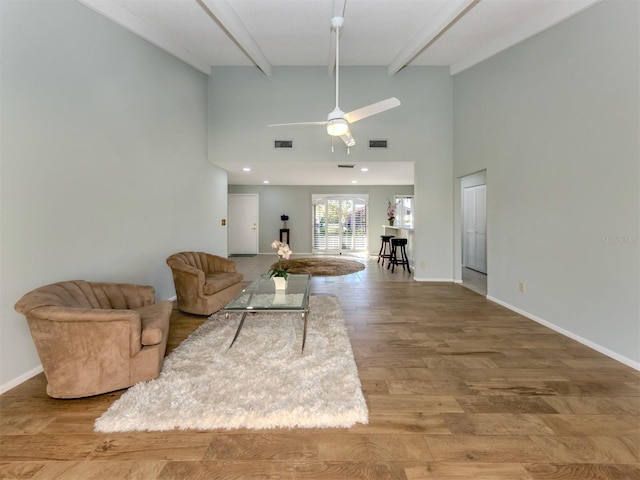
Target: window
{"type": "Point", "coordinates": [404, 210]}
{"type": "Point", "coordinates": [339, 223]}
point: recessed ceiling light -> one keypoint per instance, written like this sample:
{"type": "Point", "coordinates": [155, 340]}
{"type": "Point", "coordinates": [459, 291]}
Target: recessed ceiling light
{"type": "Point", "coordinates": [265, 181]}
{"type": "Point", "coordinates": [246, 169]}
{"type": "Point", "coordinates": [364, 169]}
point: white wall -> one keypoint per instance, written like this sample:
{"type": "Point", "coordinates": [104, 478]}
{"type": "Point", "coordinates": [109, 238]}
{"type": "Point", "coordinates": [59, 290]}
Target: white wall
{"type": "Point", "coordinates": [243, 101]}
{"type": "Point", "coordinates": [295, 201]}
{"type": "Point", "coordinates": [104, 169]}
{"type": "Point", "coordinates": [554, 121]}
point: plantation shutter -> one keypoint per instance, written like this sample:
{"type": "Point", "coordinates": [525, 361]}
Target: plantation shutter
{"type": "Point", "coordinates": [361, 232]}
{"type": "Point", "coordinates": [340, 223]}
{"type": "Point", "coordinates": [319, 226]}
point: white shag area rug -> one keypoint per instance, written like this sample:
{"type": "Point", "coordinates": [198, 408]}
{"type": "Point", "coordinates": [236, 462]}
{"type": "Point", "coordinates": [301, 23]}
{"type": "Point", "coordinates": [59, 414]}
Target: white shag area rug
{"type": "Point", "coordinates": [263, 381]}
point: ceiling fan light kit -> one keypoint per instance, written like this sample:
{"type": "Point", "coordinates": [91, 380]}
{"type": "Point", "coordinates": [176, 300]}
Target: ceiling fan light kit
{"type": "Point", "coordinates": [337, 127]}
{"type": "Point", "coordinates": [337, 123]}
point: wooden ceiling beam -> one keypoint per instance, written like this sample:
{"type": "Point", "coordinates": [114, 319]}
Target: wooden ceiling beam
{"type": "Point", "coordinates": [230, 22]}
{"type": "Point", "coordinates": [444, 18]}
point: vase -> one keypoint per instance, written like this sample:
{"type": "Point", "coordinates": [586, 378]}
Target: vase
{"type": "Point", "coordinates": [280, 282]}
{"type": "Point", "coordinates": [280, 298]}
{"type": "Point", "coordinates": [391, 221]}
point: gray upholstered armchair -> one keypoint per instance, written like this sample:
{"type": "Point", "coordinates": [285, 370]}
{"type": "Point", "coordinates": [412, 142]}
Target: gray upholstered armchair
{"type": "Point", "coordinates": [204, 282]}
{"type": "Point", "coordinates": [96, 337]}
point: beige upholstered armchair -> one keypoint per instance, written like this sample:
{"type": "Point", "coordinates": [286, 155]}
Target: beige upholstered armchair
{"type": "Point", "coordinates": [204, 282]}
{"type": "Point", "coordinates": [96, 337]}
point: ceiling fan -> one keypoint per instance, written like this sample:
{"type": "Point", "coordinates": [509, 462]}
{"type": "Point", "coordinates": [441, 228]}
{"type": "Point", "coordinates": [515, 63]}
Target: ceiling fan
{"type": "Point", "coordinates": [337, 122]}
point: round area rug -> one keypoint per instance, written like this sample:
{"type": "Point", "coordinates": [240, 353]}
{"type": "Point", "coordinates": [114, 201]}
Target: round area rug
{"type": "Point", "coordinates": [322, 266]}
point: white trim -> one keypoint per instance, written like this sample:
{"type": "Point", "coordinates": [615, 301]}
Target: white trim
{"type": "Point", "coordinates": [418, 279]}
{"type": "Point", "coordinates": [22, 378]}
{"type": "Point", "coordinates": [558, 12]}
{"type": "Point", "coordinates": [599, 348]}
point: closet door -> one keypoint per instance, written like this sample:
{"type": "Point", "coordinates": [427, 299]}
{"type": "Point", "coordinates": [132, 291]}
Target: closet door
{"type": "Point", "coordinates": [475, 228]}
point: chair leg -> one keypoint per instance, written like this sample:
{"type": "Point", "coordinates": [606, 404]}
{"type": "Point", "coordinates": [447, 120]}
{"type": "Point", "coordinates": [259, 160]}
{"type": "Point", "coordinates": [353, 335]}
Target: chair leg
{"type": "Point", "coordinates": [393, 260]}
{"type": "Point", "coordinates": [406, 259]}
{"type": "Point", "coordinates": [382, 254]}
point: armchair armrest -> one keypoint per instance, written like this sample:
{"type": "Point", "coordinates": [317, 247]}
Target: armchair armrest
{"type": "Point", "coordinates": [73, 314]}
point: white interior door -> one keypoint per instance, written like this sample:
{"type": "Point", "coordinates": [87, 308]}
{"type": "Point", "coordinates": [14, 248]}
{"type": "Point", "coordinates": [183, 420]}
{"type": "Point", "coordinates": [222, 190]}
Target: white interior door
{"type": "Point", "coordinates": [242, 224]}
{"type": "Point", "coordinates": [474, 252]}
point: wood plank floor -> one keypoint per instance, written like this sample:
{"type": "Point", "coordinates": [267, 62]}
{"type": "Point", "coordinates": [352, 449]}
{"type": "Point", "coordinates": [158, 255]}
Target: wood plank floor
{"type": "Point", "coordinates": [457, 387]}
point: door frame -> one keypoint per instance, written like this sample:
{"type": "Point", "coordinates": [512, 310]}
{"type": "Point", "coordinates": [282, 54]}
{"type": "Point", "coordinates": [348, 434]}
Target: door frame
{"type": "Point", "coordinates": [478, 178]}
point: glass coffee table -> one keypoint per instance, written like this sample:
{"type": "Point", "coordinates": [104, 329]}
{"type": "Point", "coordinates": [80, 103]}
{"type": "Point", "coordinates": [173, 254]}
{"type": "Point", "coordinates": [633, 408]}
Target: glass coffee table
{"type": "Point", "coordinates": [261, 296]}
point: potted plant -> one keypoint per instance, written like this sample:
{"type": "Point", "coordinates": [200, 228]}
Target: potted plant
{"type": "Point", "coordinates": [278, 271]}
{"type": "Point", "coordinates": [391, 213]}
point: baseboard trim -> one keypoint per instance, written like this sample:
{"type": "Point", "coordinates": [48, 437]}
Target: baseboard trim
{"type": "Point", "coordinates": [22, 378]}
{"type": "Point", "coordinates": [598, 348]}
{"type": "Point", "coordinates": [418, 279]}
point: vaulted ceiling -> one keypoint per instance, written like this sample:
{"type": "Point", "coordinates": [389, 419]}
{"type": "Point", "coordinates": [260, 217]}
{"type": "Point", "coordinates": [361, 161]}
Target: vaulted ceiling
{"type": "Point", "coordinates": [389, 33]}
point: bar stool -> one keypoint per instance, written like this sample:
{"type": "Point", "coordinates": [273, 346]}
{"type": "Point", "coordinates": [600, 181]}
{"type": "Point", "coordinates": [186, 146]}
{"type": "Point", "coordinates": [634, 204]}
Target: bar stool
{"type": "Point", "coordinates": [382, 254]}
{"type": "Point", "coordinates": [401, 244]}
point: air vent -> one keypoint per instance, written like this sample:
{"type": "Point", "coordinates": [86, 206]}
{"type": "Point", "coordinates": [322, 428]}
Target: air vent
{"type": "Point", "coordinates": [346, 165]}
{"type": "Point", "coordinates": [378, 144]}
{"type": "Point", "coordinates": [283, 144]}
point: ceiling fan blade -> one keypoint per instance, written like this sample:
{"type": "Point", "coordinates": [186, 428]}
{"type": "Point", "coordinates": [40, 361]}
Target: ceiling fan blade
{"type": "Point", "coordinates": [348, 139]}
{"type": "Point", "coordinates": [372, 109]}
{"type": "Point", "coordinates": [323, 122]}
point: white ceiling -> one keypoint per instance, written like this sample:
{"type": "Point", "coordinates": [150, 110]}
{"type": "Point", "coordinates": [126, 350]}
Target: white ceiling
{"type": "Point", "coordinates": [390, 33]}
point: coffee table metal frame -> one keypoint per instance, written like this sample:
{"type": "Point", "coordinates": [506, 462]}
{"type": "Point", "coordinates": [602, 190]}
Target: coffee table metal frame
{"type": "Point", "coordinates": [261, 296]}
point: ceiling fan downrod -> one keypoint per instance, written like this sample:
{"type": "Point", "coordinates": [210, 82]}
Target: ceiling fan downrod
{"type": "Point", "coordinates": [336, 124]}
{"type": "Point", "coordinates": [336, 24]}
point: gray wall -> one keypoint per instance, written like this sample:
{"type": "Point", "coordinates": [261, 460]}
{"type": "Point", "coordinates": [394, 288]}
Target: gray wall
{"type": "Point", "coordinates": [296, 202]}
{"type": "Point", "coordinates": [554, 121]}
{"type": "Point", "coordinates": [243, 101]}
{"type": "Point", "coordinates": [103, 159]}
